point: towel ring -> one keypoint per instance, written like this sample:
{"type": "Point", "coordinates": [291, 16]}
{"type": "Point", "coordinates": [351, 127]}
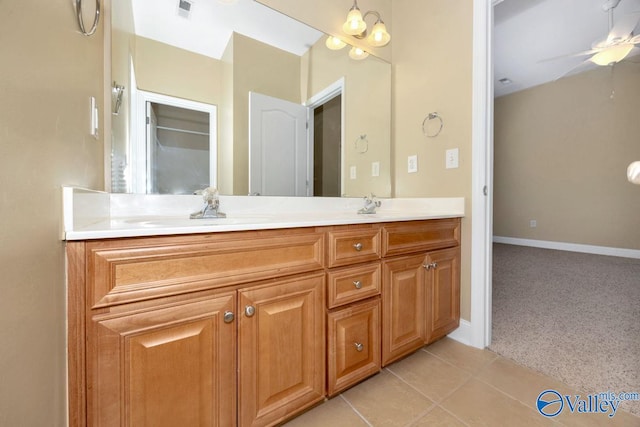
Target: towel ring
{"type": "Point", "coordinates": [81, 21]}
{"type": "Point", "coordinates": [432, 116]}
{"type": "Point", "coordinates": [361, 144]}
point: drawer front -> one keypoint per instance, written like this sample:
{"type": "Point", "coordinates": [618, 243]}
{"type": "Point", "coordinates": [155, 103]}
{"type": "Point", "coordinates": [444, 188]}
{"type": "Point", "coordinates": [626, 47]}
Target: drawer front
{"type": "Point", "coordinates": [133, 270]}
{"type": "Point", "coordinates": [354, 344]}
{"type": "Point", "coordinates": [353, 245]}
{"type": "Point", "coordinates": [351, 284]}
{"type": "Point", "coordinates": [417, 236]}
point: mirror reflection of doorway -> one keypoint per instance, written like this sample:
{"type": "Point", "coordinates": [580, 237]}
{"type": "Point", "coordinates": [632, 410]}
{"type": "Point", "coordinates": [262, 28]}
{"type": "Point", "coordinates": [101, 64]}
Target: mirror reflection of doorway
{"type": "Point", "coordinates": [327, 131]}
{"type": "Point", "coordinates": [177, 150]}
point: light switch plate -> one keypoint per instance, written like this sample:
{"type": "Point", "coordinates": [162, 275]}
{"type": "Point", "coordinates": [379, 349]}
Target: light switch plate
{"type": "Point", "coordinates": [352, 172]}
{"type": "Point", "coordinates": [375, 168]}
{"type": "Point", "coordinates": [451, 161]}
{"type": "Point", "coordinates": [412, 164]}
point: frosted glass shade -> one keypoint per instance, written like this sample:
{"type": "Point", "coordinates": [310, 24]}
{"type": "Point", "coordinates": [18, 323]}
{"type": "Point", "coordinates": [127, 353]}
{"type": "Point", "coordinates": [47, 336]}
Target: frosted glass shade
{"type": "Point", "coordinates": [379, 35]}
{"type": "Point", "coordinates": [354, 24]}
{"type": "Point", "coordinates": [334, 43]}
{"type": "Point", "coordinates": [357, 53]}
{"type": "Point", "coordinates": [612, 54]}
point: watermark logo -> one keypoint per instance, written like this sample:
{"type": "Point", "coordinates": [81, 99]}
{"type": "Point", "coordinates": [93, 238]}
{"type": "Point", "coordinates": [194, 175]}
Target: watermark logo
{"type": "Point", "coordinates": [551, 403]}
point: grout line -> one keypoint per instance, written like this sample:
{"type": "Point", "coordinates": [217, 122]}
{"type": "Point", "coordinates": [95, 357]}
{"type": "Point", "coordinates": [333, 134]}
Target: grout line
{"type": "Point", "coordinates": [453, 415]}
{"type": "Point", "coordinates": [355, 410]}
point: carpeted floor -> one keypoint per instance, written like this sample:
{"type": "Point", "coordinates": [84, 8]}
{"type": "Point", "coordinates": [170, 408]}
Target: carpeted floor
{"type": "Point", "coordinates": [573, 316]}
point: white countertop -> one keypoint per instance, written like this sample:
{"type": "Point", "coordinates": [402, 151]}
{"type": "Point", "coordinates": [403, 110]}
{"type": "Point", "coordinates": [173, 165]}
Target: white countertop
{"type": "Point", "coordinates": [91, 214]}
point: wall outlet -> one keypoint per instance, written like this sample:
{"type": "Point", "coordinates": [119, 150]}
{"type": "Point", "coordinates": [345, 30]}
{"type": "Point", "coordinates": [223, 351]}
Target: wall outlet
{"type": "Point", "coordinates": [412, 164]}
{"type": "Point", "coordinates": [375, 168]}
{"type": "Point", "coordinates": [451, 159]}
{"type": "Point", "coordinates": [533, 223]}
{"type": "Point", "coordinates": [352, 172]}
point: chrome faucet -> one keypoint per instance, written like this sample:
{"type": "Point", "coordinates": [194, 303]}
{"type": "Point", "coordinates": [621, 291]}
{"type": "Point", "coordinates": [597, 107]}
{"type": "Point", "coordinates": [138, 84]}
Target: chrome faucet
{"type": "Point", "coordinates": [370, 204]}
{"type": "Point", "coordinates": [211, 205]}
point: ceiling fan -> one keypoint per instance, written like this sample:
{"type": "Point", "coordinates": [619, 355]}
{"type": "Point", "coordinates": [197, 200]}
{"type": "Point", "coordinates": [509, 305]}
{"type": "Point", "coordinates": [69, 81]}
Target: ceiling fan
{"type": "Point", "coordinates": [621, 41]}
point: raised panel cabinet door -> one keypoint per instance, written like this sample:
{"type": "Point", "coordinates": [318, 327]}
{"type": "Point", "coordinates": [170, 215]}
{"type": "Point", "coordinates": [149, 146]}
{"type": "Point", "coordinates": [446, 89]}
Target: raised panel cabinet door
{"type": "Point", "coordinates": [403, 306]}
{"type": "Point", "coordinates": [443, 293]}
{"type": "Point", "coordinates": [172, 366]}
{"type": "Point", "coordinates": [353, 353]}
{"type": "Point", "coordinates": [281, 349]}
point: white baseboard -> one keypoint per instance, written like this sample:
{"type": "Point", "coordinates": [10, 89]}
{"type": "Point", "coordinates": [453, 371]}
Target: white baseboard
{"type": "Point", "coordinates": [572, 247]}
{"type": "Point", "coordinates": [463, 334]}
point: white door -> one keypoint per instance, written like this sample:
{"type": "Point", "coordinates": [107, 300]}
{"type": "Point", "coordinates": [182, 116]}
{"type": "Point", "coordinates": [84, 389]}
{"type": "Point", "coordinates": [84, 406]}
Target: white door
{"type": "Point", "coordinates": [152, 136]}
{"type": "Point", "coordinates": [279, 153]}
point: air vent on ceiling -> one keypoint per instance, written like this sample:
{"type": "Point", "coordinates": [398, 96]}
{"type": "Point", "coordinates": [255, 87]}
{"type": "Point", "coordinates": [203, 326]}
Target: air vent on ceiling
{"type": "Point", "coordinates": [184, 8]}
{"type": "Point", "coordinates": [505, 81]}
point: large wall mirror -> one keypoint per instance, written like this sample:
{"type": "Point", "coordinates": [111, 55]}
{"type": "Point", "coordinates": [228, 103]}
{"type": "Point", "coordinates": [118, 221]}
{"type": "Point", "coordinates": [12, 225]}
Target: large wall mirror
{"type": "Point", "coordinates": [237, 95]}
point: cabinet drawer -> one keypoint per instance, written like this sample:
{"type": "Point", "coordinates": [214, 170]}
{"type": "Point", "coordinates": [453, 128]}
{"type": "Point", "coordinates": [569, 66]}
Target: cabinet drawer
{"type": "Point", "coordinates": [418, 236]}
{"type": "Point", "coordinates": [354, 344]}
{"type": "Point", "coordinates": [128, 270]}
{"type": "Point", "coordinates": [351, 284]}
{"type": "Point", "coordinates": [353, 245]}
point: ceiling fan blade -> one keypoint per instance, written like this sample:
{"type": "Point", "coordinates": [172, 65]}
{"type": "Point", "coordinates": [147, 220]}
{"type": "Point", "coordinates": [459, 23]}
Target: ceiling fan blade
{"type": "Point", "coordinates": [624, 27]}
{"type": "Point", "coordinates": [571, 55]}
{"type": "Point", "coordinates": [583, 64]}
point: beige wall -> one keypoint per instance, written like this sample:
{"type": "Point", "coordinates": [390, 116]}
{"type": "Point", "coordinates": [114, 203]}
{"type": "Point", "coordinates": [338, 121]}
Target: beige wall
{"type": "Point", "coordinates": [367, 103]}
{"type": "Point", "coordinates": [164, 69]}
{"type": "Point", "coordinates": [49, 71]}
{"type": "Point", "coordinates": [561, 155]}
{"type": "Point", "coordinates": [432, 69]}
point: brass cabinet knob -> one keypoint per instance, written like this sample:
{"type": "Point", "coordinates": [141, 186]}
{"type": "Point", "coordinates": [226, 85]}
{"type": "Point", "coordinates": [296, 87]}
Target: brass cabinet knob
{"type": "Point", "coordinates": [358, 246]}
{"type": "Point", "coordinates": [357, 284]}
{"type": "Point", "coordinates": [359, 346]}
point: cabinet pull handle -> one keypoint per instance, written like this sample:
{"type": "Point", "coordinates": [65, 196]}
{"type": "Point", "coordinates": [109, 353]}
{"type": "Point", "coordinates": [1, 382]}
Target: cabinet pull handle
{"type": "Point", "coordinates": [249, 310]}
{"type": "Point", "coordinates": [359, 346]}
{"type": "Point", "coordinates": [358, 246]}
{"type": "Point", "coordinates": [357, 284]}
{"type": "Point", "coordinates": [430, 266]}
{"type": "Point", "coordinates": [228, 317]}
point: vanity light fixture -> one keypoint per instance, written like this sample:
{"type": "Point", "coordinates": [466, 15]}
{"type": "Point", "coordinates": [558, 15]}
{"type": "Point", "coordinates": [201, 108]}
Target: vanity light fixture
{"type": "Point", "coordinates": [356, 26]}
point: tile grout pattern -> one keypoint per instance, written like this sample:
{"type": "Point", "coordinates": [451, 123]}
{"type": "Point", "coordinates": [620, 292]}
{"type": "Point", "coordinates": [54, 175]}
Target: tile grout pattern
{"type": "Point", "coordinates": [450, 384]}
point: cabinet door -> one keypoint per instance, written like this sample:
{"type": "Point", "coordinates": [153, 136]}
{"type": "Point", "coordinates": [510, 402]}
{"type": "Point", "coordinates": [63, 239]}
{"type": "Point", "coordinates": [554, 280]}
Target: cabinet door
{"type": "Point", "coordinates": [403, 306]}
{"type": "Point", "coordinates": [164, 367]}
{"type": "Point", "coordinates": [353, 344]}
{"type": "Point", "coordinates": [443, 293]}
{"type": "Point", "coordinates": [281, 349]}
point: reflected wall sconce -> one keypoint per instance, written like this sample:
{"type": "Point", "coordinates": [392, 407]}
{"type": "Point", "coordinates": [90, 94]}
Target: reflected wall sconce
{"type": "Point", "coordinates": [117, 91]}
{"type": "Point", "coordinates": [356, 26]}
{"type": "Point", "coordinates": [357, 53]}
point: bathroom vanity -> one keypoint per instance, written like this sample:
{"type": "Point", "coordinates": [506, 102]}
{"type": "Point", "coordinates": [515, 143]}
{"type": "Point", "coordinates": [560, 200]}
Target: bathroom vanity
{"type": "Point", "coordinates": [250, 324]}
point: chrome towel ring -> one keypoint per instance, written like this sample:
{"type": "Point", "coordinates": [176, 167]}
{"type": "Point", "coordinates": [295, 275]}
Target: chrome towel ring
{"type": "Point", "coordinates": [96, 19]}
{"type": "Point", "coordinates": [432, 116]}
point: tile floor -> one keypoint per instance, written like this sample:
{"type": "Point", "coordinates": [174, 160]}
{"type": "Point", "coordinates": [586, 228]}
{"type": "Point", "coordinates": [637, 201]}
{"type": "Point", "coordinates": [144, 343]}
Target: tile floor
{"type": "Point", "coordinates": [450, 384]}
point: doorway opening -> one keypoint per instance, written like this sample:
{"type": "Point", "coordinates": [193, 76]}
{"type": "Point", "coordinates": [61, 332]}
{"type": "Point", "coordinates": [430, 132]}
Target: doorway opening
{"type": "Point", "coordinates": [177, 146]}
{"type": "Point", "coordinates": [327, 142]}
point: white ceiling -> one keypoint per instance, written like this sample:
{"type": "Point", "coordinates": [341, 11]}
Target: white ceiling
{"type": "Point", "coordinates": [209, 26]}
{"type": "Point", "coordinates": [529, 31]}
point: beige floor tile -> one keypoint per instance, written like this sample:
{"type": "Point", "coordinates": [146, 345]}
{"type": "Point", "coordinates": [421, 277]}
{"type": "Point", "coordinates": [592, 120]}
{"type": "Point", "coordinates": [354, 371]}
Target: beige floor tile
{"type": "Point", "coordinates": [575, 419]}
{"type": "Point", "coordinates": [460, 355]}
{"type": "Point", "coordinates": [385, 400]}
{"type": "Point", "coordinates": [438, 417]}
{"type": "Point", "coordinates": [517, 381]}
{"type": "Point", "coordinates": [479, 404]}
{"type": "Point", "coordinates": [430, 375]}
{"type": "Point", "coordinates": [335, 413]}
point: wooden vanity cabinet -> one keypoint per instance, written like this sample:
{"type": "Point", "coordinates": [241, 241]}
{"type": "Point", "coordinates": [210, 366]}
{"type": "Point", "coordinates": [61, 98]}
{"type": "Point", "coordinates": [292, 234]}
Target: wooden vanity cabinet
{"type": "Point", "coordinates": [250, 328]}
{"type": "Point", "coordinates": [421, 284]}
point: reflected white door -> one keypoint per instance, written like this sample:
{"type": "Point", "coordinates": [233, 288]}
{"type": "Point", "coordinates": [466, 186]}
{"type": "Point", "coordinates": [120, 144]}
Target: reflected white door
{"type": "Point", "coordinates": [280, 159]}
